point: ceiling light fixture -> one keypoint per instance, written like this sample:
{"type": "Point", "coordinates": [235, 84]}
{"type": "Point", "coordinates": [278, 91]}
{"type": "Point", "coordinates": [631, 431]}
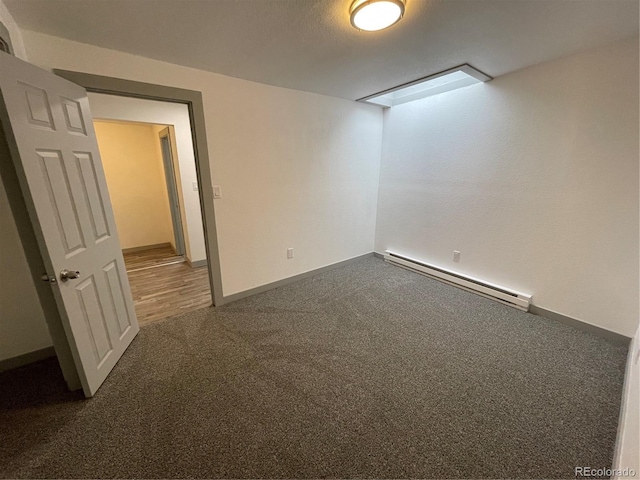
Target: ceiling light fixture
{"type": "Point", "coordinates": [372, 15]}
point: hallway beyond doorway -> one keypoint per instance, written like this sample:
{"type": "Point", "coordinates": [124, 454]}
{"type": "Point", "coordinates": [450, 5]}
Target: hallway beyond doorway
{"type": "Point", "coordinates": [163, 284]}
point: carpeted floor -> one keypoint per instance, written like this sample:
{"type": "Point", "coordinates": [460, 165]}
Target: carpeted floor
{"type": "Point", "coordinates": [365, 371]}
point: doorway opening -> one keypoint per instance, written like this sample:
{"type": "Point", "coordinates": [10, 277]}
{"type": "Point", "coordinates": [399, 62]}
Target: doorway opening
{"type": "Point", "coordinates": [192, 99]}
{"type": "Point", "coordinates": [149, 163]}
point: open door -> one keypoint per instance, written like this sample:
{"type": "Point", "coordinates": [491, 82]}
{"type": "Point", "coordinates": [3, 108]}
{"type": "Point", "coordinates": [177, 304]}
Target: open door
{"type": "Point", "coordinates": [53, 146]}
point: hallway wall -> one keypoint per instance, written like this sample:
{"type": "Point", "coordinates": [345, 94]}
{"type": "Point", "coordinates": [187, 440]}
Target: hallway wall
{"type": "Point", "coordinates": [133, 166]}
{"type": "Point", "coordinates": [176, 115]}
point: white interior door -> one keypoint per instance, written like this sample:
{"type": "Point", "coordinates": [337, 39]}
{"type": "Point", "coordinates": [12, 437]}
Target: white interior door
{"type": "Point", "coordinates": [54, 149]}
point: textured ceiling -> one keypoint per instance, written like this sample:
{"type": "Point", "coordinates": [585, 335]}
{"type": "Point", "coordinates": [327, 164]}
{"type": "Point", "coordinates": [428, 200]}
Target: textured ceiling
{"type": "Point", "coordinates": [310, 45]}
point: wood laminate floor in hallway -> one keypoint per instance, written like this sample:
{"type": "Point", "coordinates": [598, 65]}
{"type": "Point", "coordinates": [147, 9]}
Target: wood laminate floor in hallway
{"type": "Point", "coordinates": [163, 284]}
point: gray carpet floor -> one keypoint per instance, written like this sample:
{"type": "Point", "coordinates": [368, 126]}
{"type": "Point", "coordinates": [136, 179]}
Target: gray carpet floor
{"type": "Point", "coordinates": [364, 371]}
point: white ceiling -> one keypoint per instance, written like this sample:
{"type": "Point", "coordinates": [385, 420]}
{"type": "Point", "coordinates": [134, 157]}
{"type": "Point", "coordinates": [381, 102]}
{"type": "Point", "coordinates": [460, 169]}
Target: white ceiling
{"type": "Point", "coordinates": [310, 45]}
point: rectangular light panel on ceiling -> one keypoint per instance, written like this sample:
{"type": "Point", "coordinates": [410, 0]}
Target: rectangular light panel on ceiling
{"type": "Point", "coordinates": [452, 79]}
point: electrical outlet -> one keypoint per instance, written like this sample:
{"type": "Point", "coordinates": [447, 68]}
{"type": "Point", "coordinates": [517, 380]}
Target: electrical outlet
{"type": "Point", "coordinates": [289, 252]}
{"type": "Point", "coordinates": [456, 256]}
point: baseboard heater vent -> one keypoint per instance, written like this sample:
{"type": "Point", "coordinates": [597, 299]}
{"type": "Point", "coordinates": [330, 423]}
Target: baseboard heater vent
{"type": "Point", "coordinates": [506, 296]}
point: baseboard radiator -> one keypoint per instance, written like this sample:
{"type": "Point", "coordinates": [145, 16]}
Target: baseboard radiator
{"type": "Point", "coordinates": [506, 296]}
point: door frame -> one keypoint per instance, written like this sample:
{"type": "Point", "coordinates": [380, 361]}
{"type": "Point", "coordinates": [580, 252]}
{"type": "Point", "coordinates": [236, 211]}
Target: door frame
{"type": "Point", "coordinates": [193, 100]}
{"type": "Point", "coordinates": [172, 189]}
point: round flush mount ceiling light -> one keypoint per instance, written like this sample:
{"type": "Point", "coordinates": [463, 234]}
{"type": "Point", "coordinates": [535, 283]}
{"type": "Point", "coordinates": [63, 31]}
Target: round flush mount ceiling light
{"type": "Point", "coordinates": [372, 15]}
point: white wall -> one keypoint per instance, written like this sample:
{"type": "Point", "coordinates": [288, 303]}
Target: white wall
{"type": "Point", "coordinates": [22, 325]}
{"type": "Point", "coordinates": [137, 110]}
{"type": "Point", "coordinates": [14, 32]}
{"type": "Point", "coordinates": [296, 169]}
{"type": "Point", "coordinates": [532, 176]}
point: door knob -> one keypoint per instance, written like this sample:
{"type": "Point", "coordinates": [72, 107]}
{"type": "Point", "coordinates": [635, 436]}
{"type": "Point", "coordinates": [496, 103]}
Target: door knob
{"type": "Point", "coordinates": [69, 275]}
